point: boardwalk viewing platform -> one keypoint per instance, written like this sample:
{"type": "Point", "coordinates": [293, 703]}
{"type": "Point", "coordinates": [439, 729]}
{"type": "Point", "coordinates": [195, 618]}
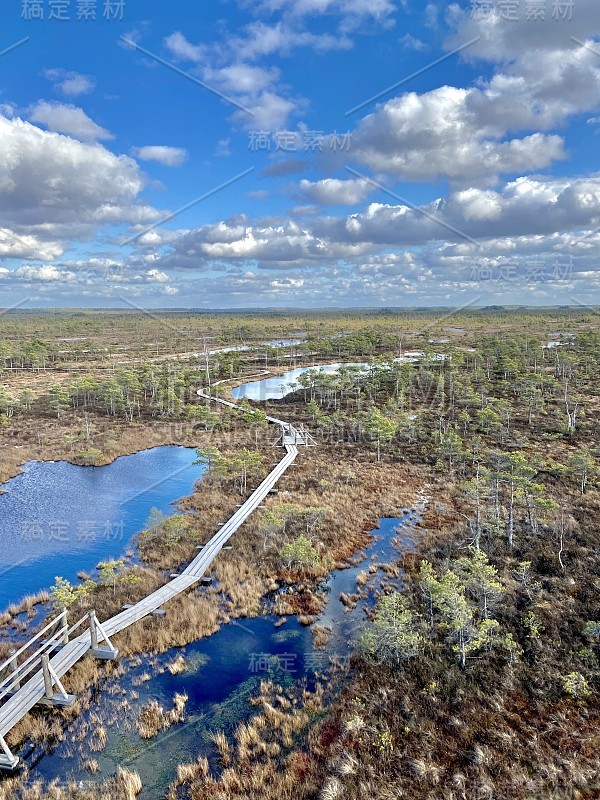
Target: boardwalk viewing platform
{"type": "Point", "coordinates": [33, 674]}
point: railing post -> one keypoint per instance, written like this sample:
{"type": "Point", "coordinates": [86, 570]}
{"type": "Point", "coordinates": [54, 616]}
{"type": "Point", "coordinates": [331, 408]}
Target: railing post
{"type": "Point", "coordinates": [12, 668]}
{"type": "Point", "coordinates": [52, 698]}
{"type": "Point", "coordinates": [8, 760]}
{"type": "Point", "coordinates": [107, 652]}
{"type": "Point", "coordinates": [93, 630]}
{"type": "Point", "coordinates": [47, 677]}
{"type": "Point", "coordinates": [65, 636]}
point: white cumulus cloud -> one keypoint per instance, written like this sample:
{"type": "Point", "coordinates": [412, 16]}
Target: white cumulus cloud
{"type": "Point", "coordinates": [54, 188]}
{"type": "Point", "coordinates": [69, 83]}
{"type": "Point", "coordinates": [64, 118]}
{"type": "Point", "coordinates": [162, 154]}
{"type": "Point", "coordinates": [333, 191]}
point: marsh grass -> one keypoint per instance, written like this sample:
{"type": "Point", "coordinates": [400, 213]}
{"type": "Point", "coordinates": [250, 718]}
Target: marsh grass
{"type": "Point", "coordinates": [152, 719]}
{"type": "Point", "coordinates": [177, 666]}
{"type": "Point", "coordinates": [243, 577]}
{"type": "Point", "coordinates": [321, 635]}
{"type": "Point", "coordinates": [125, 785]}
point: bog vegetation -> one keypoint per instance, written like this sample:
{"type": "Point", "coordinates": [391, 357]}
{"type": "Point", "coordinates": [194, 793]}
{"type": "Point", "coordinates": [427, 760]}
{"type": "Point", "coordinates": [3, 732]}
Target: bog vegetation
{"type": "Point", "coordinates": [481, 678]}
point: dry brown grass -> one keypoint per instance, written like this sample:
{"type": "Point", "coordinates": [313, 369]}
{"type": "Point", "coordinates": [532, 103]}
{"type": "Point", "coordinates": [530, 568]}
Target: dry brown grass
{"type": "Point", "coordinates": [223, 747]}
{"type": "Point", "coordinates": [98, 739]}
{"type": "Point", "coordinates": [22, 441]}
{"type": "Point", "coordinates": [28, 603]}
{"type": "Point", "coordinates": [190, 617]}
{"type": "Point", "coordinates": [125, 785]}
{"type": "Point", "coordinates": [177, 666]}
{"type": "Point", "coordinates": [362, 578]}
{"type": "Point", "coordinates": [152, 718]}
{"type": "Point", "coordinates": [349, 600]}
{"type": "Point", "coordinates": [321, 635]}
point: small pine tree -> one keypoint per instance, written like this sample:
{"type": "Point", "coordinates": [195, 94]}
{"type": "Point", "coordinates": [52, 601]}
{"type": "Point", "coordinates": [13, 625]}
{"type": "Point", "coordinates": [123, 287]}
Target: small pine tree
{"type": "Point", "coordinates": [300, 554]}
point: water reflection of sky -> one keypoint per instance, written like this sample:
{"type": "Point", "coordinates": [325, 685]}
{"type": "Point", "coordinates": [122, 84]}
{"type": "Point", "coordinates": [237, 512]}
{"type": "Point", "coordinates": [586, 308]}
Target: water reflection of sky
{"type": "Point", "coordinates": [280, 385]}
{"type": "Point", "coordinates": [58, 519]}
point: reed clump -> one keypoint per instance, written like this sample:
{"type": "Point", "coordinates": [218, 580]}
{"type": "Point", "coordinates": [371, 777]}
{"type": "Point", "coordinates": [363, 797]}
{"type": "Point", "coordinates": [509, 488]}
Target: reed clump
{"type": "Point", "coordinates": [177, 666]}
{"type": "Point", "coordinates": [153, 719]}
{"type": "Point", "coordinates": [321, 635]}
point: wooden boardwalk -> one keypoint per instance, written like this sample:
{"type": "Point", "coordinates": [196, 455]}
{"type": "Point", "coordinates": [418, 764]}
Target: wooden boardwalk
{"type": "Point", "coordinates": [41, 686]}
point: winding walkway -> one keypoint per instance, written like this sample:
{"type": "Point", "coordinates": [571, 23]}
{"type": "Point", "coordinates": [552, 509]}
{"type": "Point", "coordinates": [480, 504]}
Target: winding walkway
{"type": "Point", "coordinates": [36, 688]}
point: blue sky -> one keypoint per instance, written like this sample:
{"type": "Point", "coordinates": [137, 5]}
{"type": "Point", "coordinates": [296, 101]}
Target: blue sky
{"type": "Point", "coordinates": [316, 167]}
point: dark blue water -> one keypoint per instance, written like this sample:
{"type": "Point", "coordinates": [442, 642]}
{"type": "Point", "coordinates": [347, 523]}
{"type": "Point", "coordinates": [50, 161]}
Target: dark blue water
{"type": "Point", "coordinates": [58, 519]}
{"type": "Point", "coordinates": [222, 674]}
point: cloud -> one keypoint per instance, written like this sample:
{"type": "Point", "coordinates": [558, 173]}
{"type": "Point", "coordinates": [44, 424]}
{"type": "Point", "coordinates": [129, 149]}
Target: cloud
{"type": "Point", "coordinates": [352, 12]}
{"type": "Point", "coordinates": [167, 156]}
{"type": "Point", "coordinates": [526, 206]}
{"type": "Point", "coordinates": [15, 245]}
{"type": "Point", "coordinates": [461, 222]}
{"type": "Point", "coordinates": [270, 111]}
{"type": "Point", "coordinates": [450, 133]}
{"type": "Point", "coordinates": [45, 273]}
{"type": "Point", "coordinates": [92, 280]}
{"type": "Point", "coordinates": [488, 139]}
{"type": "Point", "coordinates": [503, 40]}
{"type": "Point", "coordinates": [333, 192]}
{"type": "Point", "coordinates": [262, 100]}
{"type": "Point", "coordinates": [501, 125]}
{"type": "Point", "coordinates": [229, 65]}
{"type": "Point", "coordinates": [156, 276]}
{"type": "Point", "coordinates": [70, 83]}
{"type": "Point", "coordinates": [260, 39]}
{"type": "Point", "coordinates": [304, 211]}
{"type": "Point", "coordinates": [223, 148]}
{"type": "Point", "coordinates": [242, 79]}
{"type": "Point", "coordinates": [269, 244]}
{"type": "Point", "coordinates": [410, 42]}
{"type": "Point", "coordinates": [528, 269]}
{"type": "Point", "coordinates": [69, 119]}
{"type": "Point", "coordinates": [179, 46]}
{"type": "Point", "coordinates": [54, 188]}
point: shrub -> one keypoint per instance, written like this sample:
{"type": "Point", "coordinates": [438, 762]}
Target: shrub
{"type": "Point", "coordinates": [300, 554]}
{"type": "Point", "coordinates": [393, 636]}
{"type": "Point", "coordinates": [91, 457]}
{"type": "Point", "coordinates": [575, 685]}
